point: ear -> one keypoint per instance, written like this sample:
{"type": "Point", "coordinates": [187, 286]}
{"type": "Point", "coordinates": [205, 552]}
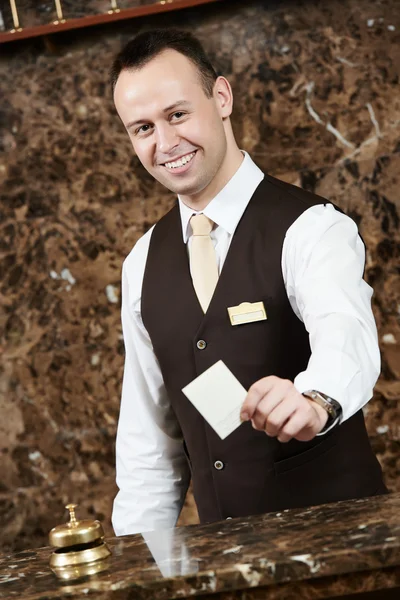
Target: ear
{"type": "Point", "coordinates": [223, 97]}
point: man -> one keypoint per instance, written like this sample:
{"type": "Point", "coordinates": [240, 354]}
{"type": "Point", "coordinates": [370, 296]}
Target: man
{"type": "Point", "coordinates": [235, 235]}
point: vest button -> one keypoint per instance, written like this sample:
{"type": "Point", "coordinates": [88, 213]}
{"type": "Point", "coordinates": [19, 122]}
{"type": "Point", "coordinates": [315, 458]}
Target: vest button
{"type": "Point", "coordinates": [201, 344]}
{"type": "Point", "coordinates": [219, 465]}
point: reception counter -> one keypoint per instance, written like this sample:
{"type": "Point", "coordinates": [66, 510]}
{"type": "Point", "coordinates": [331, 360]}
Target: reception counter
{"type": "Point", "coordinates": [347, 549]}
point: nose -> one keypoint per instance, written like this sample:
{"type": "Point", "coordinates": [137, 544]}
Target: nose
{"type": "Point", "coordinates": [166, 138]}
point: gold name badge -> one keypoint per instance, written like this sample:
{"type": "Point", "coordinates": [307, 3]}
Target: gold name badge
{"type": "Point", "coordinates": [247, 312]}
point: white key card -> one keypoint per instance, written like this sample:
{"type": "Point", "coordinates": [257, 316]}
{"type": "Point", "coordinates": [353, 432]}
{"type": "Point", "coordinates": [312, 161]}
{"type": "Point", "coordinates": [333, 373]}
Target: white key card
{"type": "Point", "coordinates": [218, 396]}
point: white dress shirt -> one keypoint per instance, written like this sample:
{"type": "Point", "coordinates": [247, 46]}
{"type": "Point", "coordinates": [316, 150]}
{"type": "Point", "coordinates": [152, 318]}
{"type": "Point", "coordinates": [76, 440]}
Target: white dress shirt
{"type": "Point", "coordinates": [322, 266]}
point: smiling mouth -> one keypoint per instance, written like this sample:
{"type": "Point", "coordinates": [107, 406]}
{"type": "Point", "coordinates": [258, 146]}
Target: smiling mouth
{"type": "Point", "coordinates": [181, 162]}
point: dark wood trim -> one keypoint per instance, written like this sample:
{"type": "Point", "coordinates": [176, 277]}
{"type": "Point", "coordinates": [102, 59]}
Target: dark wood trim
{"type": "Point", "coordinates": [128, 13]}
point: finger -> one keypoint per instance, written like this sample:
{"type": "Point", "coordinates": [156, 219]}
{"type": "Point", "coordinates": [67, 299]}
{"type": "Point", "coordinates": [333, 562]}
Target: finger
{"type": "Point", "coordinates": [281, 413]}
{"type": "Point", "coordinates": [268, 404]}
{"type": "Point", "coordinates": [258, 390]}
{"type": "Point", "coordinates": [298, 422]}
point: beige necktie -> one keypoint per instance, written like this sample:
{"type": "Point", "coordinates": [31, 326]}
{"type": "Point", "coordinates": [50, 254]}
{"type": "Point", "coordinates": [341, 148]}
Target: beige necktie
{"type": "Point", "coordinates": [203, 262]}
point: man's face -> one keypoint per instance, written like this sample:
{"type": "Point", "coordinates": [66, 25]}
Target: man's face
{"type": "Point", "coordinates": [176, 131]}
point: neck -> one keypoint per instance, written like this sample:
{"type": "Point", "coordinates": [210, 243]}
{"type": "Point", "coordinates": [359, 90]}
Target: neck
{"type": "Point", "coordinates": [231, 164]}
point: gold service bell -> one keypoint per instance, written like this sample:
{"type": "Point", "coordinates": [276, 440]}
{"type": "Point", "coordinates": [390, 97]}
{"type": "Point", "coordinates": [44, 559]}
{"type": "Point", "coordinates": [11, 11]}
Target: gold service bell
{"type": "Point", "coordinates": [81, 549]}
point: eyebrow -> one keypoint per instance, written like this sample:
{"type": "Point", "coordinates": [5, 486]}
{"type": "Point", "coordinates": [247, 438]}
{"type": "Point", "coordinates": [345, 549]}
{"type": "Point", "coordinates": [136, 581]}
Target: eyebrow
{"type": "Point", "coordinates": [178, 104]}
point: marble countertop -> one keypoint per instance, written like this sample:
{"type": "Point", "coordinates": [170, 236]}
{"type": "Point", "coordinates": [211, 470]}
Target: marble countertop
{"type": "Point", "coordinates": [276, 548]}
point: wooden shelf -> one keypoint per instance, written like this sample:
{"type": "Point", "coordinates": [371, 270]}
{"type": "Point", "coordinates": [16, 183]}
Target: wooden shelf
{"type": "Point", "coordinates": [89, 21]}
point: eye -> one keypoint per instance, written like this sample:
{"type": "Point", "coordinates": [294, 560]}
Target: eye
{"type": "Point", "coordinates": [142, 129]}
{"type": "Point", "coordinates": [178, 114]}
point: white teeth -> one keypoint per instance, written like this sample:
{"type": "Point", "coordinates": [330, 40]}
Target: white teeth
{"type": "Point", "coordinates": [181, 162]}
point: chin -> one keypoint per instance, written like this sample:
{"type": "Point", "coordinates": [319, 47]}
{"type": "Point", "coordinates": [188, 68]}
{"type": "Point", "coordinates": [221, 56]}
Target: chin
{"type": "Point", "coordinates": [189, 191]}
{"type": "Point", "coordinates": [183, 189]}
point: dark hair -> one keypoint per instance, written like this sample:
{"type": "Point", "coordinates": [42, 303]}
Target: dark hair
{"type": "Point", "coordinates": [147, 45]}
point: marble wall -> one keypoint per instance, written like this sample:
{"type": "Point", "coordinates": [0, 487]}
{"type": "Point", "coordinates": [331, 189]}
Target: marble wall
{"type": "Point", "coordinates": [316, 103]}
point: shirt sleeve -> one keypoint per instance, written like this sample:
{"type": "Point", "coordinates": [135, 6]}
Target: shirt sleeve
{"type": "Point", "coordinates": [152, 471]}
{"type": "Point", "coordinates": [323, 261]}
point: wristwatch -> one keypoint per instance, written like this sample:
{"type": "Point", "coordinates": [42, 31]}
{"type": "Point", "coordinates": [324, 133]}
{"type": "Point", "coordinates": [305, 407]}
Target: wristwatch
{"type": "Point", "coordinates": [331, 406]}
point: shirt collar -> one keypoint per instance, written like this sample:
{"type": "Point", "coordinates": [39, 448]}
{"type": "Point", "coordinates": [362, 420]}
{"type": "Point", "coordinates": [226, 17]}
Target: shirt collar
{"type": "Point", "coordinates": [227, 207]}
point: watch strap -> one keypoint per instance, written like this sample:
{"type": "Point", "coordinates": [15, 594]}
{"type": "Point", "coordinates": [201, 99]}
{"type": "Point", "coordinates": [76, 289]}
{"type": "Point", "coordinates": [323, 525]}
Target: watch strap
{"type": "Point", "coordinates": [332, 407]}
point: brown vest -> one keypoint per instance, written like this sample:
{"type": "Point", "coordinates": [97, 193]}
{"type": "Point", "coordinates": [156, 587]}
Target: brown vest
{"type": "Point", "coordinates": [258, 474]}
